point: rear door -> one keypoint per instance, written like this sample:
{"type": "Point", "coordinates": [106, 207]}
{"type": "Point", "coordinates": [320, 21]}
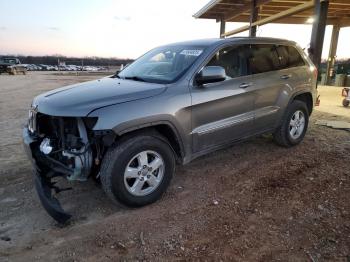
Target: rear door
{"type": "Point", "coordinates": [223, 111]}
{"type": "Point", "coordinates": [292, 64]}
{"type": "Point", "coordinates": [268, 83]}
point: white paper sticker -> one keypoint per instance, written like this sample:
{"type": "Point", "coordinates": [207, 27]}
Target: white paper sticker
{"type": "Point", "coordinates": [192, 52]}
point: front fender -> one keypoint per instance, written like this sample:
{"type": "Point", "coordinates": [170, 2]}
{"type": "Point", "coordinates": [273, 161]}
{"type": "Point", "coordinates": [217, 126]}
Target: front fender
{"type": "Point", "coordinates": [171, 110]}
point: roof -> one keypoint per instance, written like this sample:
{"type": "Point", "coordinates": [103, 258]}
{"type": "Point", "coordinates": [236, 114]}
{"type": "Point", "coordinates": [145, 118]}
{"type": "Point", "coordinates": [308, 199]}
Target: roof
{"type": "Point", "coordinates": [214, 41]}
{"type": "Point", "coordinates": [198, 42]}
{"type": "Point", "coordinates": [239, 11]}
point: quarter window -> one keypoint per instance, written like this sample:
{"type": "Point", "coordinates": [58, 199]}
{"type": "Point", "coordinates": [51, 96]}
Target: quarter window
{"type": "Point", "coordinates": [289, 56]}
{"type": "Point", "coordinates": [295, 58]}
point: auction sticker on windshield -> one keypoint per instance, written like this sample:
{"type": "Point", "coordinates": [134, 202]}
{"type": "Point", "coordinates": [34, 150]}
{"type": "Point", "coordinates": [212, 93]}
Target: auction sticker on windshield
{"type": "Point", "coordinates": [192, 52]}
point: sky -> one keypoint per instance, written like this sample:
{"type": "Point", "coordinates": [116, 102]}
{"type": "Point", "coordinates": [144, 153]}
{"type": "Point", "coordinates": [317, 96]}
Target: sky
{"type": "Point", "coordinates": [121, 28]}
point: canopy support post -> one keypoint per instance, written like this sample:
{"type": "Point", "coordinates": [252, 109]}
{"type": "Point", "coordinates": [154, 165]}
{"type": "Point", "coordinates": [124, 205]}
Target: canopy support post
{"type": "Point", "coordinates": [332, 53]}
{"type": "Point", "coordinates": [254, 11]}
{"type": "Point", "coordinates": [318, 30]}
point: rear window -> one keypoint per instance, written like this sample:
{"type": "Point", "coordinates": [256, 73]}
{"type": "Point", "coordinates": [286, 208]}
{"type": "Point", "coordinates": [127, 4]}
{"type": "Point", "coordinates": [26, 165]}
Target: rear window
{"type": "Point", "coordinates": [262, 58]}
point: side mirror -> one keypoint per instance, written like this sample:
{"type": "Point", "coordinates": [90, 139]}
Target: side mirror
{"type": "Point", "coordinates": [211, 74]}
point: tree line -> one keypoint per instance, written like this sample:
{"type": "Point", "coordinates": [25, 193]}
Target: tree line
{"type": "Point", "coordinates": [54, 60]}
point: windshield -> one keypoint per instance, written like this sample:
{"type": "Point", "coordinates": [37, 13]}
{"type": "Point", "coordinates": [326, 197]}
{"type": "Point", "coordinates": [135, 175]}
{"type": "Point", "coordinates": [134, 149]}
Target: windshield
{"type": "Point", "coordinates": [163, 64]}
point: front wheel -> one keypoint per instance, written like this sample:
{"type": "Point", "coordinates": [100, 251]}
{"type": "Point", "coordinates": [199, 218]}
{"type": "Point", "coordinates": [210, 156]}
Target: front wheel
{"type": "Point", "coordinates": [137, 171]}
{"type": "Point", "coordinates": [346, 102]}
{"type": "Point", "coordinates": [294, 125]}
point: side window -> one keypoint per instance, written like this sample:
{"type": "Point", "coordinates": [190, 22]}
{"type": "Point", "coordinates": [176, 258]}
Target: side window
{"type": "Point", "coordinates": [232, 59]}
{"type": "Point", "coordinates": [289, 56]}
{"type": "Point", "coordinates": [263, 58]}
{"type": "Point", "coordinates": [283, 56]}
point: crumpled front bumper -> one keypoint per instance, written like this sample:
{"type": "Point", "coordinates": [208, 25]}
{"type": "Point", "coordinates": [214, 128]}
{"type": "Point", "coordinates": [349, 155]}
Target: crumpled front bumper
{"type": "Point", "coordinates": [43, 176]}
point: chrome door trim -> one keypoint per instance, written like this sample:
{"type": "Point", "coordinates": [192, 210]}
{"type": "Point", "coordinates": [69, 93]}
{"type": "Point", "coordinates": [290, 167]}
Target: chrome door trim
{"type": "Point", "coordinates": [235, 120]}
{"type": "Point", "coordinates": [265, 111]}
{"type": "Point", "coordinates": [223, 123]}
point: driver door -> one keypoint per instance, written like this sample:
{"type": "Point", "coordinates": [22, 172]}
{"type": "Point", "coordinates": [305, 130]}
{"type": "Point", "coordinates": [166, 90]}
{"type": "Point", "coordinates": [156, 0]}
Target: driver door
{"type": "Point", "coordinates": [223, 111]}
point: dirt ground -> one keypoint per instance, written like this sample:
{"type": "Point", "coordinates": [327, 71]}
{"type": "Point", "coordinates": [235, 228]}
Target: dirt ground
{"type": "Point", "coordinates": [254, 201]}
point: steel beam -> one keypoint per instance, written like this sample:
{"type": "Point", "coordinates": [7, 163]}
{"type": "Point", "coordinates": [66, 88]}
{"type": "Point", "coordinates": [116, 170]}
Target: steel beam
{"type": "Point", "coordinates": [318, 30]}
{"type": "Point", "coordinates": [244, 8]}
{"type": "Point", "coordinates": [332, 53]}
{"type": "Point", "coordinates": [270, 19]}
{"type": "Point", "coordinates": [222, 28]}
{"type": "Point", "coordinates": [253, 18]}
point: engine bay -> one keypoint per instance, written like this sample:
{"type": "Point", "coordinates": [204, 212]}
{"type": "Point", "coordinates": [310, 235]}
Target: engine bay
{"type": "Point", "coordinates": [69, 143]}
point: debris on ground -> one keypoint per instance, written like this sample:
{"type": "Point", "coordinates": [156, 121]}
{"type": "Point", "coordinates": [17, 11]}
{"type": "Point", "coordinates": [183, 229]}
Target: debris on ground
{"type": "Point", "coordinates": [142, 239]}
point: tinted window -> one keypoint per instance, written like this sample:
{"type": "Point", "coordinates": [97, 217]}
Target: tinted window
{"type": "Point", "coordinates": [262, 58]}
{"type": "Point", "coordinates": [232, 59]}
{"type": "Point", "coordinates": [295, 58]}
{"type": "Point", "coordinates": [289, 56]}
{"type": "Point", "coordinates": [283, 56]}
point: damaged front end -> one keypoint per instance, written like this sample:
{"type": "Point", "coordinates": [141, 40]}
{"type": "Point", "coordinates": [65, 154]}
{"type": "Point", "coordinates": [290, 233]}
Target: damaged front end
{"type": "Point", "coordinates": [62, 147]}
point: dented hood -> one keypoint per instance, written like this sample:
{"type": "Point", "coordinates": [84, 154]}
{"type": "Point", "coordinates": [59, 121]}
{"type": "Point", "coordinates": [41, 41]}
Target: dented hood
{"type": "Point", "coordinates": [80, 99]}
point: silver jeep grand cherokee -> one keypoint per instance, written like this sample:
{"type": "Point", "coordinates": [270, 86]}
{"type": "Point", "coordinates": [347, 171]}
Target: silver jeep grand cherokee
{"type": "Point", "coordinates": [173, 104]}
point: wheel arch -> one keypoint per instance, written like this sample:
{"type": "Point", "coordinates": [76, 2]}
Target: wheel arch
{"type": "Point", "coordinates": [163, 127]}
{"type": "Point", "coordinates": [305, 97]}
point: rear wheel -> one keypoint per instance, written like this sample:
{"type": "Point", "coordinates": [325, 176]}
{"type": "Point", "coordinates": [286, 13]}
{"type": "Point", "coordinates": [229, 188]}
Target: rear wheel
{"type": "Point", "coordinates": [346, 102]}
{"type": "Point", "coordinates": [294, 125]}
{"type": "Point", "coordinates": [137, 171]}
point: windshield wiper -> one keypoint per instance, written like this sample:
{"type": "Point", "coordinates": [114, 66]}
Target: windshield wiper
{"type": "Point", "coordinates": [135, 78]}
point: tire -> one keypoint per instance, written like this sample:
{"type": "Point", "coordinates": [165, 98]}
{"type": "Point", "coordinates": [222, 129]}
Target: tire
{"type": "Point", "coordinates": [346, 102]}
{"type": "Point", "coordinates": [283, 135]}
{"type": "Point", "coordinates": [122, 155]}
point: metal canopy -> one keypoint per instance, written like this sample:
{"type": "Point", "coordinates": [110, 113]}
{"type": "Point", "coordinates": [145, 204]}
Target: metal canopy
{"type": "Point", "coordinates": [239, 11]}
{"type": "Point", "coordinates": [319, 13]}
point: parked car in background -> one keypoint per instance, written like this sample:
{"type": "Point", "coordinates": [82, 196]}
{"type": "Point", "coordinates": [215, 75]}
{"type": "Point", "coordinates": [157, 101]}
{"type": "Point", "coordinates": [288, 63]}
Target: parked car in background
{"type": "Point", "coordinates": [12, 66]}
{"type": "Point", "coordinates": [44, 67]}
{"type": "Point", "coordinates": [174, 104]}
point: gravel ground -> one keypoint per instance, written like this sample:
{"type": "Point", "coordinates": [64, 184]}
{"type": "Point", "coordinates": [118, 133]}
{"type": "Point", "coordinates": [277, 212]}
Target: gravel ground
{"type": "Point", "coordinates": [254, 201]}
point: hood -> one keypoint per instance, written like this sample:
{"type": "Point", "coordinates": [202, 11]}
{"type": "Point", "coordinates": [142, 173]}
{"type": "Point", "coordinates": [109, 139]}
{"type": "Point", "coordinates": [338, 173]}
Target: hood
{"type": "Point", "coordinates": [80, 99]}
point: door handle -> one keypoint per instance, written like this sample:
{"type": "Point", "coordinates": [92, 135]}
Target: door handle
{"type": "Point", "coordinates": [245, 85]}
{"type": "Point", "coordinates": [285, 76]}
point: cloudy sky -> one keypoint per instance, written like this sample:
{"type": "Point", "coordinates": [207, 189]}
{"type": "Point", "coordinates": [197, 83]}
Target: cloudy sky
{"type": "Point", "coordinates": [120, 28]}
